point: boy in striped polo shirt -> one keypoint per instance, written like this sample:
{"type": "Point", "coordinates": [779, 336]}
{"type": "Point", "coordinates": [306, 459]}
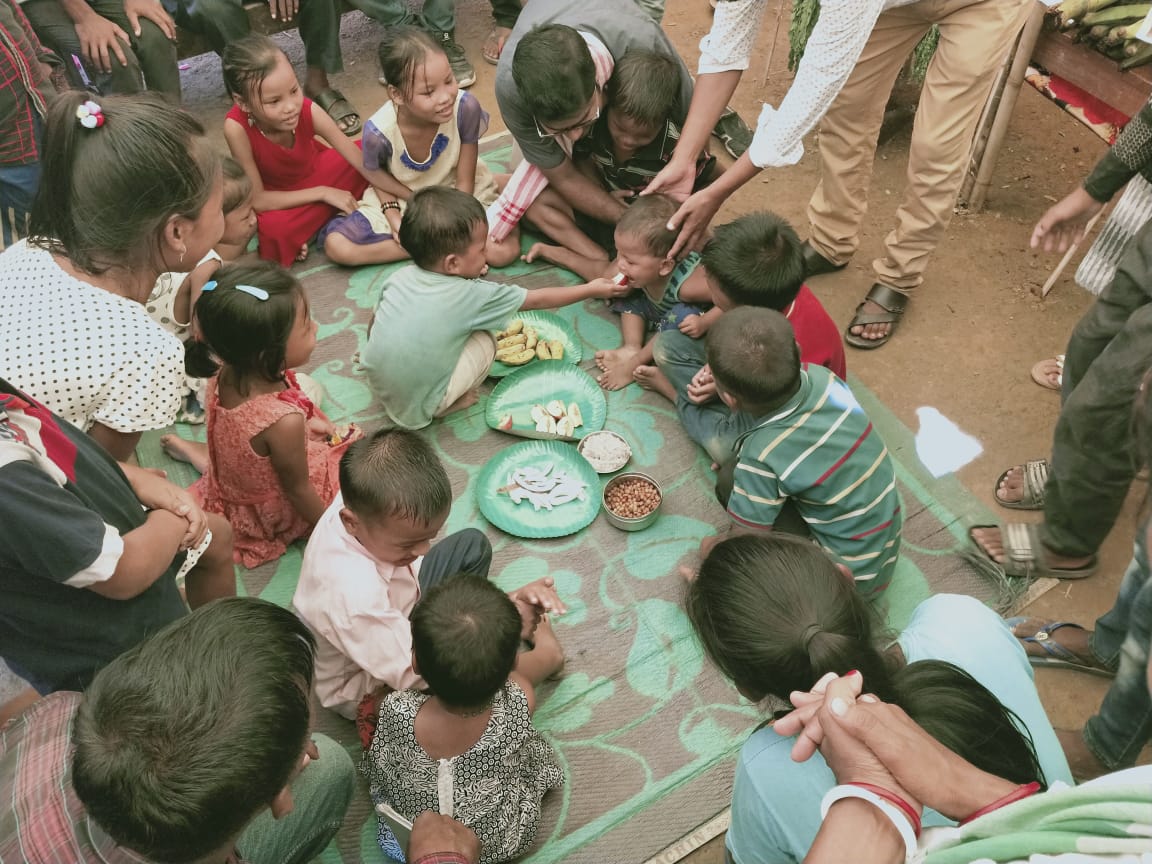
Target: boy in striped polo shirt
{"type": "Point", "coordinates": [811, 452]}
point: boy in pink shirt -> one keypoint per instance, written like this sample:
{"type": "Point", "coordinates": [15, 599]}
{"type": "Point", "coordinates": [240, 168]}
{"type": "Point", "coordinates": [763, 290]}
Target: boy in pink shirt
{"type": "Point", "coordinates": [370, 556]}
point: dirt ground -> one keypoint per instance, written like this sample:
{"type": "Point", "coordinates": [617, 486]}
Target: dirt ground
{"type": "Point", "coordinates": [974, 329]}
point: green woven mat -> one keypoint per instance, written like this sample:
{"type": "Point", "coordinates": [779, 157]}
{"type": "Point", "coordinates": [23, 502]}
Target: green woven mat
{"type": "Point", "coordinates": [646, 730]}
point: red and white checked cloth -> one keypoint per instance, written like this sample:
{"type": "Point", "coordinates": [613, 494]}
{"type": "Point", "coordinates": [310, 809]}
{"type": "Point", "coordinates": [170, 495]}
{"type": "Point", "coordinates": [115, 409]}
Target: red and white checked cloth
{"type": "Point", "coordinates": [528, 181]}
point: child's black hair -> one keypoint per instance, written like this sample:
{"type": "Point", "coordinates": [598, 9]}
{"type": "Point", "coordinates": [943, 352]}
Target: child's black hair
{"type": "Point", "coordinates": [402, 51]}
{"type": "Point", "coordinates": [237, 184]}
{"type": "Point", "coordinates": [247, 62]}
{"type": "Point", "coordinates": [465, 637]}
{"type": "Point", "coordinates": [439, 222]}
{"type": "Point", "coordinates": [647, 219]}
{"type": "Point", "coordinates": [964, 716]}
{"type": "Point", "coordinates": [645, 87]}
{"type": "Point", "coordinates": [173, 758]}
{"type": "Point", "coordinates": [107, 194]}
{"type": "Point", "coordinates": [774, 614]}
{"type": "Point", "coordinates": [243, 331]}
{"type": "Point", "coordinates": [394, 472]}
{"type": "Point", "coordinates": [554, 72]}
{"type": "Point", "coordinates": [754, 356]}
{"type": "Point", "coordinates": [756, 260]}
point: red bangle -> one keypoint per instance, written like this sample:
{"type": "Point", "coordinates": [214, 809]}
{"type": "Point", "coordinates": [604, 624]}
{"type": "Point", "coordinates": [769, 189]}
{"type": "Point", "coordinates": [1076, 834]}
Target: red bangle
{"type": "Point", "coordinates": [893, 798]}
{"type": "Point", "coordinates": [1017, 794]}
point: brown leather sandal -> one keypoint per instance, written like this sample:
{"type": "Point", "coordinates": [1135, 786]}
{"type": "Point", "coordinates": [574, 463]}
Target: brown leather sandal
{"type": "Point", "coordinates": [891, 301]}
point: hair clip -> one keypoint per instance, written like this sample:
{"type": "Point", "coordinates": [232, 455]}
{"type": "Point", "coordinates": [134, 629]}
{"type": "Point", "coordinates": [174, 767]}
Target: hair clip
{"type": "Point", "coordinates": [90, 115]}
{"type": "Point", "coordinates": [210, 285]}
{"type": "Point", "coordinates": [251, 290]}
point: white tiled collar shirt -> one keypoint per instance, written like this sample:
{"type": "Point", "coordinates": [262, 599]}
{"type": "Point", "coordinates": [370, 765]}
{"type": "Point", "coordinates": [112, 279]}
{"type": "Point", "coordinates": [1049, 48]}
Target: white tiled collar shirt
{"type": "Point", "coordinates": [833, 49]}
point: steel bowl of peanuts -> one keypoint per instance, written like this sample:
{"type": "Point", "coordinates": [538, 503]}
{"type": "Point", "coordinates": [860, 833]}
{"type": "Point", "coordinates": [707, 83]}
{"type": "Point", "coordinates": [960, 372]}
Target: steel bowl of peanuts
{"type": "Point", "coordinates": [632, 501]}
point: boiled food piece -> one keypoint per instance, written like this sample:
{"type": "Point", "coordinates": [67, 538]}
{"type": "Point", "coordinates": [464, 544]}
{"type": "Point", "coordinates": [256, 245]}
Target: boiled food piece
{"type": "Point", "coordinates": [575, 416]}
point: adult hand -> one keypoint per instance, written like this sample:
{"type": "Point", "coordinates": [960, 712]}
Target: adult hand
{"type": "Point", "coordinates": [433, 833]}
{"type": "Point", "coordinates": [341, 199]}
{"type": "Point", "coordinates": [283, 10]}
{"type": "Point", "coordinates": [99, 40]}
{"type": "Point", "coordinates": [1065, 221]}
{"type": "Point", "coordinates": [692, 220]}
{"type": "Point", "coordinates": [675, 179]}
{"type": "Point", "coordinates": [154, 12]}
{"type": "Point", "coordinates": [156, 492]}
{"type": "Point", "coordinates": [702, 387]}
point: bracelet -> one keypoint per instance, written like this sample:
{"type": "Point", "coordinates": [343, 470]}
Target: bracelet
{"type": "Point", "coordinates": [390, 205]}
{"type": "Point", "coordinates": [1017, 794]}
{"type": "Point", "coordinates": [896, 815]}
{"type": "Point", "coordinates": [896, 800]}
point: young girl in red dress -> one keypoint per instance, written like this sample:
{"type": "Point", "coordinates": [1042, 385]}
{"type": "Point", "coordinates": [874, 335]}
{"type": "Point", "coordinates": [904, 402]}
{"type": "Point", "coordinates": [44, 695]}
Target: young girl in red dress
{"type": "Point", "coordinates": [272, 130]}
{"type": "Point", "coordinates": [271, 464]}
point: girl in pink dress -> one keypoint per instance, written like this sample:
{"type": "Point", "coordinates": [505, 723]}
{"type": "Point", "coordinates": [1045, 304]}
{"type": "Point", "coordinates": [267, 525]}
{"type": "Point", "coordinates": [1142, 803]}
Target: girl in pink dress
{"type": "Point", "coordinates": [303, 169]}
{"type": "Point", "coordinates": [271, 463]}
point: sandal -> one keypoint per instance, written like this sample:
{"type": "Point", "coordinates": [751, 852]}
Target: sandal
{"type": "Point", "coordinates": [893, 304]}
{"type": "Point", "coordinates": [1042, 372]}
{"type": "Point", "coordinates": [494, 44]}
{"type": "Point", "coordinates": [333, 103]}
{"type": "Point", "coordinates": [1056, 655]}
{"type": "Point", "coordinates": [1025, 555]}
{"type": "Point", "coordinates": [1035, 478]}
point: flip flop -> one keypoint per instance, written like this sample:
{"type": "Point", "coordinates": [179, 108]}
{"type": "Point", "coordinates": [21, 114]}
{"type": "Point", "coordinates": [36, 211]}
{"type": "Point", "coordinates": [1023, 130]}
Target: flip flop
{"type": "Point", "coordinates": [1035, 478]}
{"type": "Point", "coordinates": [1025, 554]}
{"type": "Point", "coordinates": [1042, 370]}
{"type": "Point", "coordinates": [494, 45]}
{"type": "Point", "coordinates": [1058, 657]}
{"type": "Point", "coordinates": [333, 103]}
{"type": "Point", "coordinates": [888, 299]}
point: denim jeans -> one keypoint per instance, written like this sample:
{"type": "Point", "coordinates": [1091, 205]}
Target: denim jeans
{"type": "Point", "coordinates": [320, 796]}
{"type": "Point", "coordinates": [465, 553]}
{"type": "Point", "coordinates": [1121, 640]}
{"type": "Point", "coordinates": [711, 425]}
{"type": "Point", "coordinates": [18, 185]}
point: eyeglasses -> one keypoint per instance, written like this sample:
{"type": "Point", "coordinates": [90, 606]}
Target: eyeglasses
{"type": "Point", "coordinates": [575, 127]}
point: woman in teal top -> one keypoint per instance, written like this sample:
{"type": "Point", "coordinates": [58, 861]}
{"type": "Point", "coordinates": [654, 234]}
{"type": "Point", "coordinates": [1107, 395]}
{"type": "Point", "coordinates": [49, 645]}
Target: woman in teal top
{"type": "Point", "coordinates": [775, 614]}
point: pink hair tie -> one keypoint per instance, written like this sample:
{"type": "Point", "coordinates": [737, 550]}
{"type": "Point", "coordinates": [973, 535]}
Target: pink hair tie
{"type": "Point", "coordinates": [90, 115]}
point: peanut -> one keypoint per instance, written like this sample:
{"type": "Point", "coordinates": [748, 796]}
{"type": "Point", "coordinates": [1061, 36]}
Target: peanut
{"type": "Point", "coordinates": [632, 498]}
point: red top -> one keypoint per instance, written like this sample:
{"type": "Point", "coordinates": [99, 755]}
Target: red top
{"type": "Point", "coordinates": [816, 333]}
{"type": "Point", "coordinates": [283, 169]}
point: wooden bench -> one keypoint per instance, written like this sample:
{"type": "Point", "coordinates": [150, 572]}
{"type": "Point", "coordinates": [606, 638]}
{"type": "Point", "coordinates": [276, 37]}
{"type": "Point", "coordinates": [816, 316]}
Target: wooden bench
{"type": "Point", "coordinates": [189, 44]}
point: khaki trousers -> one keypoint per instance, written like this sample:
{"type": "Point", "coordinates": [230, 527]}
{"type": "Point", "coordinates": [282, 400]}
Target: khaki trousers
{"type": "Point", "coordinates": [974, 37]}
{"type": "Point", "coordinates": [471, 370]}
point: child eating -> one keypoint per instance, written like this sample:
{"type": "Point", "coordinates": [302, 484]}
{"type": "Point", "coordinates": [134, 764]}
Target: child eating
{"type": "Point", "coordinates": [666, 295]}
{"type": "Point", "coordinates": [467, 747]}
{"type": "Point", "coordinates": [810, 461]}
{"type": "Point", "coordinates": [441, 313]}
{"type": "Point", "coordinates": [754, 261]}
{"type": "Point", "coordinates": [370, 558]}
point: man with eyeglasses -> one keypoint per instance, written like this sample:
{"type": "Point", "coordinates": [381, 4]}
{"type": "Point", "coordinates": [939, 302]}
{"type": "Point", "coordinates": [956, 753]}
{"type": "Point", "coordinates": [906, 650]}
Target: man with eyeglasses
{"type": "Point", "coordinates": [550, 86]}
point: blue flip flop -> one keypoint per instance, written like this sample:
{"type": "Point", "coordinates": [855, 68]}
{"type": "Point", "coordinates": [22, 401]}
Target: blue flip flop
{"type": "Point", "coordinates": [1057, 656]}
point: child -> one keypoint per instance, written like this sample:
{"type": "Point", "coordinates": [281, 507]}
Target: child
{"type": "Point", "coordinates": [467, 747]}
{"type": "Point", "coordinates": [298, 183]}
{"type": "Point", "coordinates": [425, 135]}
{"type": "Point", "coordinates": [666, 295]}
{"type": "Point", "coordinates": [175, 294]}
{"type": "Point", "coordinates": [441, 312]}
{"type": "Point", "coordinates": [809, 450]}
{"type": "Point", "coordinates": [370, 558]}
{"type": "Point", "coordinates": [629, 145]}
{"type": "Point", "coordinates": [754, 261]}
{"type": "Point", "coordinates": [270, 464]}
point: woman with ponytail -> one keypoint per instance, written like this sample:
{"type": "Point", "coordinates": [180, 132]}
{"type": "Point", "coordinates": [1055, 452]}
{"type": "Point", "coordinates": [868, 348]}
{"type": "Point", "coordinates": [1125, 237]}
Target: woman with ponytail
{"type": "Point", "coordinates": [775, 614]}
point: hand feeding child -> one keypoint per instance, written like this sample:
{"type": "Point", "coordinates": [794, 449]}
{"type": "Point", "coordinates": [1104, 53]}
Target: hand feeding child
{"type": "Point", "coordinates": [370, 558]}
{"type": "Point", "coordinates": [426, 135]}
{"type": "Point", "coordinates": [440, 313]}
{"type": "Point", "coordinates": [466, 747]}
{"type": "Point", "coordinates": [270, 462]}
{"type": "Point", "coordinates": [298, 183]}
{"type": "Point", "coordinates": [665, 295]}
{"type": "Point", "coordinates": [630, 143]}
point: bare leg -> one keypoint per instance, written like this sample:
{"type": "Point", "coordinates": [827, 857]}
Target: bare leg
{"type": "Point", "coordinates": [651, 378]}
{"type": "Point", "coordinates": [505, 252]}
{"type": "Point", "coordinates": [341, 250]}
{"type": "Point", "coordinates": [214, 575]}
{"type": "Point", "coordinates": [619, 364]}
{"type": "Point", "coordinates": [182, 450]}
{"type": "Point", "coordinates": [551, 214]}
{"type": "Point", "coordinates": [546, 657]}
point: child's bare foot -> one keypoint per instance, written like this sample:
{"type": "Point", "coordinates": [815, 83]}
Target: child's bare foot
{"type": "Point", "coordinates": [466, 401]}
{"type": "Point", "coordinates": [617, 366]}
{"type": "Point", "coordinates": [302, 255]}
{"type": "Point", "coordinates": [182, 450]}
{"type": "Point", "coordinates": [651, 378]}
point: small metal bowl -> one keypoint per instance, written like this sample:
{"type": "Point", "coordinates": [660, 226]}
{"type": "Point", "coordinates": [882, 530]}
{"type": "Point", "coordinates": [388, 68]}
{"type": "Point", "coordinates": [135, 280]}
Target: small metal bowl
{"type": "Point", "coordinates": [600, 469]}
{"type": "Point", "coordinates": [624, 523]}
